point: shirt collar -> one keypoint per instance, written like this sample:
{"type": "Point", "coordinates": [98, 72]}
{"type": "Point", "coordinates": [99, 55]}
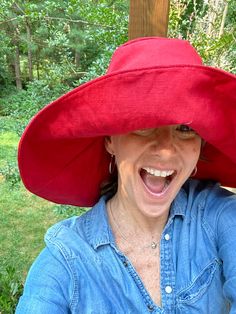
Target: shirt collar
{"type": "Point", "coordinates": [99, 231]}
{"type": "Point", "coordinates": [97, 226]}
{"type": "Point", "coordinates": [179, 205]}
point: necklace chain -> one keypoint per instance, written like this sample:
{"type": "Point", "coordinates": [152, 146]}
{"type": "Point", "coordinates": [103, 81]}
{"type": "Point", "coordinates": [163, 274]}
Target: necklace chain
{"type": "Point", "coordinates": [153, 245]}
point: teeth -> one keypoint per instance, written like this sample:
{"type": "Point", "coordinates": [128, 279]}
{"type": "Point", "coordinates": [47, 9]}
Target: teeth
{"type": "Point", "coordinates": [159, 173]}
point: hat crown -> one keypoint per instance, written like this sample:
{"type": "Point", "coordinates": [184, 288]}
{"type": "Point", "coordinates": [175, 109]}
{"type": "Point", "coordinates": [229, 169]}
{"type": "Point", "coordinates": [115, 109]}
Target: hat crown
{"type": "Point", "coordinates": [159, 52]}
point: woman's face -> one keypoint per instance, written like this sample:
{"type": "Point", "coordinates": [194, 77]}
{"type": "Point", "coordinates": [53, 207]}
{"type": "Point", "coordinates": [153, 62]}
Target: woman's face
{"type": "Point", "coordinates": [152, 166]}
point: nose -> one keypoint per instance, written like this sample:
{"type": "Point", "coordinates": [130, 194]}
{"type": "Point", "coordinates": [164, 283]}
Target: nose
{"type": "Point", "coordinates": [164, 141]}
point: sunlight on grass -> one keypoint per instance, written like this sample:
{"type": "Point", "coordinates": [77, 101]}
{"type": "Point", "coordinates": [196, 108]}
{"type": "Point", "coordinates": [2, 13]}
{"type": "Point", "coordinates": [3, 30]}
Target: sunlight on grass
{"type": "Point", "coordinates": [9, 139]}
{"type": "Point", "coordinates": [24, 221]}
{"type": "Point", "coordinates": [8, 148]}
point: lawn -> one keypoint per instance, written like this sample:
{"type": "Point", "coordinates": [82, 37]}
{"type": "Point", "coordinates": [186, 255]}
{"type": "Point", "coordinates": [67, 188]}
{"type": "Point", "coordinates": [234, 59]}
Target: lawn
{"type": "Point", "coordinates": [24, 218]}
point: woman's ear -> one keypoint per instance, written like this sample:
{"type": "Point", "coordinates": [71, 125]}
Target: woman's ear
{"type": "Point", "coordinates": [108, 145]}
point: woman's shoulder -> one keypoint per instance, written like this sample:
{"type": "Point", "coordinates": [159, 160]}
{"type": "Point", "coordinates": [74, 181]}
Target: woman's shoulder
{"type": "Point", "coordinates": [73, 234]}
{"type": "Point", "coordinates": [208, 192]}
{"type": "Point", "coordinates": [211, 201]}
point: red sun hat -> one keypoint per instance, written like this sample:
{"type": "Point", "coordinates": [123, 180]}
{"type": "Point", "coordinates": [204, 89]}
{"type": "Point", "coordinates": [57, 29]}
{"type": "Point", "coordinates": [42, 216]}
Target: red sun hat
{"type": "Point", "coordinates": [150, 82]}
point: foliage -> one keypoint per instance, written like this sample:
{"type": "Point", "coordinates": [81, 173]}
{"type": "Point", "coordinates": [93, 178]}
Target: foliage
{"type": "Point", "coordinates": [11, 289]}
{"type": "Point", "coordinates": [8, 161]}
{"type": "Point", "coordinates": [69, 43]}
{"type": "Point", "coordinates": [67, 211]}
{"type": "Point", "coordinates": [10, 173]}
{"type": "Point", "coordinates": [23, 104]}
{"type": "Point", "coordinates": [204, 24]}
{"type": "Point", "coordinates": [58, 40]}
{"type": "Point", "coordinates": [24, 217]}
{"type": "Point", "coordinates": [19, 213]}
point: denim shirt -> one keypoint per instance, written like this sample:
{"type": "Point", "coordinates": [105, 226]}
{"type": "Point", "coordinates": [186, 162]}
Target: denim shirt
{"type": "Point", "coordinates": [82, 271]}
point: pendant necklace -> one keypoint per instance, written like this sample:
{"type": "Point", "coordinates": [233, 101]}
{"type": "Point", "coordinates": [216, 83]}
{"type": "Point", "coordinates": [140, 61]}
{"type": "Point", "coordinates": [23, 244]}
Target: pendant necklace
{"type": "Point", "coordinates": [153, 245]}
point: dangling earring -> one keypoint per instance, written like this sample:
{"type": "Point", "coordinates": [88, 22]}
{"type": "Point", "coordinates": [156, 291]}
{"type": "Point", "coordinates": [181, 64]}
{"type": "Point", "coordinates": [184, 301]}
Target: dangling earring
{"type": "Point", "coordinates": [194, 172]}
{"type": "Point", "coordinates": [112, 164]}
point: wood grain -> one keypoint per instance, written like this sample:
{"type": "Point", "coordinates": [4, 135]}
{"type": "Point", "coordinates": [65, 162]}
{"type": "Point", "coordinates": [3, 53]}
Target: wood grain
{"type": "Point", "coordinates": [148, 18]}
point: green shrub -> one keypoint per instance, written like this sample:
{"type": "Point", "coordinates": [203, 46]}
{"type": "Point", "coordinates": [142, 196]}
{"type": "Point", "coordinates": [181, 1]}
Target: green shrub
{"type": "Point", "coordinates": [67, 211]}
{"type": "Point", "coordinates": [11, 173]}
{"type": "Point", "coordinates": [8, 124]}
{"type": "Point", "coordinates": [11, 289]}
{"type": "Point", "coordinates": [24, 104]}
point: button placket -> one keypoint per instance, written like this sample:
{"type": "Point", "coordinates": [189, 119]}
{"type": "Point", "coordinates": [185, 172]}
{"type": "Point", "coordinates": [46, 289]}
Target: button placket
{"type": "Point", "coordinates": [148, 302]}
{"type": "Point", "coordinates": [167, 270]}
{"type": "Point", "coordinates": [168, 289]}
{"type": "Point", "coordinates": [167, 237]}
{"type": "Point", "coordinates": [125, 263]}
{"type": "Point", "coordinates": [150, 308]}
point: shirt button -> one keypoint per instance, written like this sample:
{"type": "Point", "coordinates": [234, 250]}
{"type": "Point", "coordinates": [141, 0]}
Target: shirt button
{"type": "Point", "coordinates": [150, 308]}
{"type": "Point", "coordinates": [168, 289]}
{"type": "Point", "coordinates": [125, 263]}
{"type": "Point", "coordinates": [167, 237]}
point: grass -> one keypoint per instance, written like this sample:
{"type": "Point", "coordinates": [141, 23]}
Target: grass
{"type": "Point", "coordinates": [24, 218]}
{"type": "Point", "coordinates": [8, 144]}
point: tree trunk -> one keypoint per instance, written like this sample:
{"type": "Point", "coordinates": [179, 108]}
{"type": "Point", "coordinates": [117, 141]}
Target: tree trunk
{"type": "Point", "coordinates": [17, 68]}
{"type": "Point", "coordinates": [14, 58]}
{"type": "Point", "coordinates": [215, 9]}
{"type": "Point", "coordinates": [11, 65]}
{"type": "Point", "coordinates": [77, 58]}
{"type": "Point", "coordinates": [30, 55]}
{"type": "Point", "coordinates": [148, 18]}
{"type": "Point", "coordinates": [37, 70]}
{"type": "Point", "coordinates": [223, 19]}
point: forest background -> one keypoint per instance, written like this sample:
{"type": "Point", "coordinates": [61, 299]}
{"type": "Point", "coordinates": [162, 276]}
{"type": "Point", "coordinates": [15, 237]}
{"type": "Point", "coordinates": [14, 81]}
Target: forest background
{"type": "Point", "coordinates": [47, 48]}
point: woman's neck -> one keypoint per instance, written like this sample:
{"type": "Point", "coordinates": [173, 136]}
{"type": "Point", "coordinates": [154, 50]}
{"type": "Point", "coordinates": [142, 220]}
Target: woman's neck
{"type": "Point", "coordinates": [133, 223]}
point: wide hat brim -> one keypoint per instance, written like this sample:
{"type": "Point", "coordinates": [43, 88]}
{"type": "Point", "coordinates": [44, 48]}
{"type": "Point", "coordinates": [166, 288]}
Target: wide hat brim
{"type": "Point", "coordinates": [61, 153]}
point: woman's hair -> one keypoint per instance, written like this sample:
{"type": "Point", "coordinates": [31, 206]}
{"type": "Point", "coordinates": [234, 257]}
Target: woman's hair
{"type": "Point", "coordinates": [110, 186]}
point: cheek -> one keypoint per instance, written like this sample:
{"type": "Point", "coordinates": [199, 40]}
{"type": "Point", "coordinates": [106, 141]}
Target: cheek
{"type": "Point", "coordinates": [190, 152]}
{"type": "Point", "coordinates": [196, 150]}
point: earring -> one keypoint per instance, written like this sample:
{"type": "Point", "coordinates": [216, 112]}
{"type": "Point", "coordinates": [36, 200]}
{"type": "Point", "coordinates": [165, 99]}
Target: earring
{"type": "Point", "coordinates": [112, 164]}
{"type": "Point", "coordinates": [194, 172]}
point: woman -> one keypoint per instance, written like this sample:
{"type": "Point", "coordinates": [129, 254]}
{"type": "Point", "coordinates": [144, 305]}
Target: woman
{"type": "Point", "coordinates": [153, 136]}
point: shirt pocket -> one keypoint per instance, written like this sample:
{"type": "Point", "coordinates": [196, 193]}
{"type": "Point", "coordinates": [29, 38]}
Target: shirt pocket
{"type": "Point", "coordinates": [200, 285]}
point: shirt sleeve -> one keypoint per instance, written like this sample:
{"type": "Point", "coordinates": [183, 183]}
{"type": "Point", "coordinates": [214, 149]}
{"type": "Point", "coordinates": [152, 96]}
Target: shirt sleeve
{"type": "Point", "coordinates": [48, 286]}
{"type": "Point", "coordinates": [226, 235]}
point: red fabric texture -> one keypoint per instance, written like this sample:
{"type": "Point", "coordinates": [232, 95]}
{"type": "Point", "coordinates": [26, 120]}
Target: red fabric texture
{"type": "Point", "coordinates": [150, 82]}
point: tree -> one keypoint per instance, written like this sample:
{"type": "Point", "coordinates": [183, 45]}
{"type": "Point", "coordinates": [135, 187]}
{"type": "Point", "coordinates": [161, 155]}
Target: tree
{"type": "Point", "coordinates": [56, 40]}
{"type": "Point", "coordinates": [71, 41]}
{"type": "Point", "coordinates": [210, 26]}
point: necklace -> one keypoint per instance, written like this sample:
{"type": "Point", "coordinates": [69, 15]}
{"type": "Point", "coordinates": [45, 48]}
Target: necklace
{"type": "Point", "coordinates": [153, 245]}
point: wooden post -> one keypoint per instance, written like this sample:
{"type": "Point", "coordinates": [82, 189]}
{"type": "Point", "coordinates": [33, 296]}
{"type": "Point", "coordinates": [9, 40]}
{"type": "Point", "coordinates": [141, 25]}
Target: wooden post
{"type": "Point", "coordinates": [148, 18]}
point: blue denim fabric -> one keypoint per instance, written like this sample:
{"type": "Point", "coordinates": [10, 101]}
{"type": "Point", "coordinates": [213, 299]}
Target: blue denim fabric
{"type": "Point", "coordinates": [82, 271]}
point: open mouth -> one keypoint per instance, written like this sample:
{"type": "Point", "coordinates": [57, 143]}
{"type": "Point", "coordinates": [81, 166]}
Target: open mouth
{"type": "Point", "coordinates": [156, 181]}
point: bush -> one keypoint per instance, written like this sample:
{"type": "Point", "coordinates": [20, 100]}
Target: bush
{"type": "Point", "coordinates": [8, 124]}
{"type": "Point", "coordinates": [11, 173]}
{"type": "Point", "coordinates": [67, 211]}
{"type": "Point", "coordinates": [11, 289]}
{"type": "Point", "coordinates": [24, 104]}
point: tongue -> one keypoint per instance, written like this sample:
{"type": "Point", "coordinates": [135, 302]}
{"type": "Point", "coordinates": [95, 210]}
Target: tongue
{"type": "Point", "coordinates": [154, 184]}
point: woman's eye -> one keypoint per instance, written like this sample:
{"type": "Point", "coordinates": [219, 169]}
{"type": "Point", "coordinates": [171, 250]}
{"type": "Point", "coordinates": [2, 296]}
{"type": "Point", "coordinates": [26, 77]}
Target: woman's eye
{"type": "Point", "coordinates": [185, 130]}
{"type": "Point", "coordinates": [144, 132]}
